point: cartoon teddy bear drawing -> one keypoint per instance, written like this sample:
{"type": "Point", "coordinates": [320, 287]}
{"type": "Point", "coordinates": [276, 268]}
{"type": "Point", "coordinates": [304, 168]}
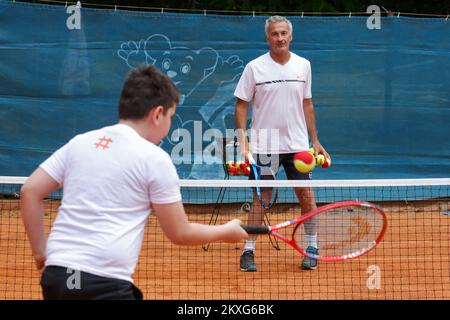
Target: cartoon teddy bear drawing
{"type": "Point", "coordinates": [206, 82]}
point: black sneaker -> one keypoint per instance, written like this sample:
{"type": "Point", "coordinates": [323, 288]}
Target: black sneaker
{"type": "Point", "coordinates": [248, 261]}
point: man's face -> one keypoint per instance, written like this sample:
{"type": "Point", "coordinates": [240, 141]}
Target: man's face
{"type": "Point", "coordinates": [279, 37]}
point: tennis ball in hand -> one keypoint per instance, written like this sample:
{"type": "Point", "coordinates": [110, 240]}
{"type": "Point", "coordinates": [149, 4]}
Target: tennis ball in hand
{"type": "Point", "coordinates": [320, 160]}
{"type": "Point", "coordinates": [312, 151]}
{"type": "Point", "coordinates": [327, 163]}
{"type": "Point", "coordinates": [304, 161]}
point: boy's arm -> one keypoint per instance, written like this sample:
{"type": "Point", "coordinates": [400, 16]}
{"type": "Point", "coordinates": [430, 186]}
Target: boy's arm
{"type": "Point", "coordinates": [179, 230]}
{"type": "Point", "coordinates": [38, 186]}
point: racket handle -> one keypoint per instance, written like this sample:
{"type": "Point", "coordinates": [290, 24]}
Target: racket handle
{"type": "Point", "coordinates": [256, 229]}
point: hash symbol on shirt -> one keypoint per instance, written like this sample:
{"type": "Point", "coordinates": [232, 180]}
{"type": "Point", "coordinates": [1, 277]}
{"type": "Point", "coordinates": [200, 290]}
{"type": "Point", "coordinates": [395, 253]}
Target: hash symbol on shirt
{"type": "Point", "coordinates": [103, 143]}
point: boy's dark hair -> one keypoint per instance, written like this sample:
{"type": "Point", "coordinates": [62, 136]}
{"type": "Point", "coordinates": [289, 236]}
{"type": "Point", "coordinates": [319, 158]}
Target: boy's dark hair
{"type": "Point", "coordinates": [145, 88]}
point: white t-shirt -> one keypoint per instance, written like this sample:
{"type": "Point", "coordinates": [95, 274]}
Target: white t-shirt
{"type": "Point", "coordinates": [110, 177]}
{"type": "Point", "coordinates": [276, 92]}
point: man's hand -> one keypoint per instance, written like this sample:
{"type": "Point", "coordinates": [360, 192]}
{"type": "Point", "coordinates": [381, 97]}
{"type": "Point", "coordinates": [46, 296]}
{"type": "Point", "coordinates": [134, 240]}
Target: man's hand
{"type": "Point", "coordinates": [319, 149]}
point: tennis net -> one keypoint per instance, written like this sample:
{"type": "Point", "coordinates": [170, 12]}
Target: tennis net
{"type": "Point", "coordinates": [412, 261]}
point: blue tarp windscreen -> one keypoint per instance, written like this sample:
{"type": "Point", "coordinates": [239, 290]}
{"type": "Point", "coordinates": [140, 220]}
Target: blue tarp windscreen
{"type": "Point", "coordinates": [382, 96]}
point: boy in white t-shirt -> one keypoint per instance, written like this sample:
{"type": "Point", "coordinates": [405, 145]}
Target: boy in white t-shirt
{"type": "Point", "coordinates": [278, 84]}
{"type": "Point", "coordinates": [112, 179]}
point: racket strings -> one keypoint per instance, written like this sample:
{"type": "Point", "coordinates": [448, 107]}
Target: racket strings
{"type": "Point", "coordinates": [342, 231]}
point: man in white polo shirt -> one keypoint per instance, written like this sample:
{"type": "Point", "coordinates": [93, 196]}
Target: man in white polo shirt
{"type": "Point", "coordinates": [112, 179]}
{"type": "Point", "coordinates": [278, 85]}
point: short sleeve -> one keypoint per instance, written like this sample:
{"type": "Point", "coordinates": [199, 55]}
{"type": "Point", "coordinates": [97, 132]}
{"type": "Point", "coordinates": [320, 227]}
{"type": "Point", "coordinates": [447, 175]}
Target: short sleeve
{"type": "Point", "coordinates": [55, 165]}
{"type": "Point", "coordinates": [307, 92]}
{"type": "Point", "coordinates": [165, 184]}
{"type": "Point", "coordinates": [246, 86]}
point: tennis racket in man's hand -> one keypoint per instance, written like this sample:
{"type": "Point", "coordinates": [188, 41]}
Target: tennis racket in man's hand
{"type": "Point", "coordinates": [345, 230]}
{"type": "Point", "coordinates": [257, 170]}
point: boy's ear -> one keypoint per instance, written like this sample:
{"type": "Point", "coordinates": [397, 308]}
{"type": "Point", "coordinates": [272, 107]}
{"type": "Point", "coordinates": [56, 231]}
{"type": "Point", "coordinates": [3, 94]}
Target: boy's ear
{"type": "Point", "coordinates": [155, 114]}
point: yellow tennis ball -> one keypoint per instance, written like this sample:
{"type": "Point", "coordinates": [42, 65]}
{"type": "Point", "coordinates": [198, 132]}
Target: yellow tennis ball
{"type": "Point", "coordinates": [320, 160]}
{"type": "Point", "coordinates": [304, 161]}
{"type": "Point", "coordinates": [312, 151]}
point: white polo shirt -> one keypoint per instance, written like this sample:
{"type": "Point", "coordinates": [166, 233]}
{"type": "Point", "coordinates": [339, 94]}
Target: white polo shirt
{"type": "Point", "coordinates": [110, 177]}
{"type": "Point", "coordinates": [276, 93]}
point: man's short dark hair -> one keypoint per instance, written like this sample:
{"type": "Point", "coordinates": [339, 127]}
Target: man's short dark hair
{"type": "Point", "coordinates": [145, 88]}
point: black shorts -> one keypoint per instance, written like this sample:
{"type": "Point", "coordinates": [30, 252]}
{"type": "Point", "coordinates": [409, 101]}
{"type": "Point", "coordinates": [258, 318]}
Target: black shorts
{"type": "Point", "coordinates": [61, 283]}
{"type": "Point", "coordinates": [270, 165]}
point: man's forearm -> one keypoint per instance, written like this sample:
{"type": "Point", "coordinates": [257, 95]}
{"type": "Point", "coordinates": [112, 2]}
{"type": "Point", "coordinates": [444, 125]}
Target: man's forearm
{"type": "Point", "coordinates": [241, 123]}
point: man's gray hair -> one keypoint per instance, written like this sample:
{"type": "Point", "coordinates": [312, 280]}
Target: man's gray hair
{"type": "Point", "coordinates": [274, 19]}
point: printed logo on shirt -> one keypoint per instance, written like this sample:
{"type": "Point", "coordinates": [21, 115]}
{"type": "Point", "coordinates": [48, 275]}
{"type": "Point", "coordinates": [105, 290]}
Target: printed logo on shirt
{"type": "Point", "coordinates": [103, 143]}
